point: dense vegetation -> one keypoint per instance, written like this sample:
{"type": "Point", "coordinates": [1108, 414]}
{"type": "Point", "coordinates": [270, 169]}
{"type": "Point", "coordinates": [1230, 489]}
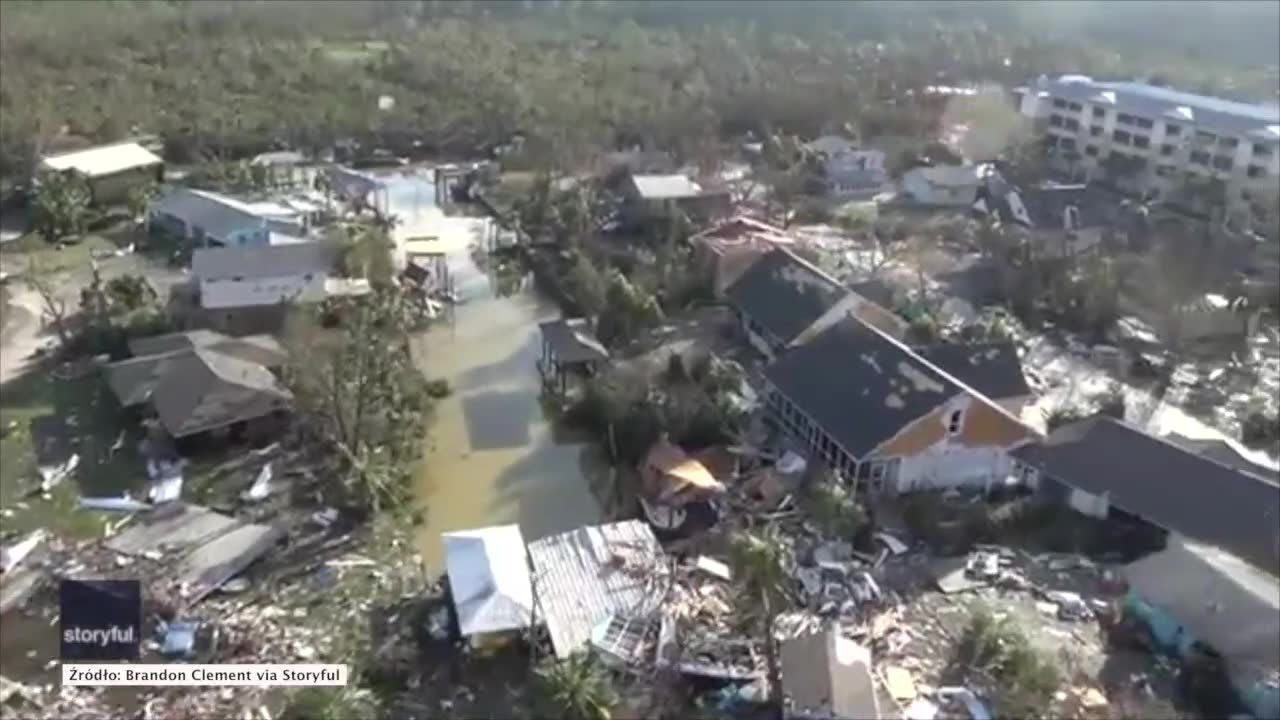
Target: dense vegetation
{"type": "Point", "coordinates": [227, 79]}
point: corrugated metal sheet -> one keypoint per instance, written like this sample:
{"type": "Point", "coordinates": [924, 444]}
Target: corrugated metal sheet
{"type": "Point", "coordinates": [102, 160]}
{"type": "Point", "coordinates": [584, 576]}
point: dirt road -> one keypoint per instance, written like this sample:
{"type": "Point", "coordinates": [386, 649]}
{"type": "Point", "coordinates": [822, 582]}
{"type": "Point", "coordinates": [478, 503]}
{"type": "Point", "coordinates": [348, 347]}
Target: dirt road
{"type": "Point", "coordinates": [22, 333]}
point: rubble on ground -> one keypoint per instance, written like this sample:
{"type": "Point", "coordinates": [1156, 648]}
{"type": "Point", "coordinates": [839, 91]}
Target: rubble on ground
{"type": "Point", "coordinates": [889, 598]}
{"type": "Point", "coordinates": [252, 610]}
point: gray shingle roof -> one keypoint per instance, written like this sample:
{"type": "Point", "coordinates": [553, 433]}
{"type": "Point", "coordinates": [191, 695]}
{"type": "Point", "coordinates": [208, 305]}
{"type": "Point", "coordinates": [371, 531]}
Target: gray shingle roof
{"type": "Point", "coordinates": [262, 349]}
{"type": "Point", "coordinates": [784, 294]}
{"type": "Point", "coordinates": [259, 262]}
{"type": "Point", "coordinates": [1166, 485]}
{"type": "Point", "coordinates": [1046, 205]}
{"type": "Point", "coordinates": [203, 390]}
{"type": "Point", "coordinates": [200, 388]}
{"type": "Point", "coordinates": [1221, 451]}
{"type": "Point", "coordinates": [992, 369]}
{"type": "Point", "coordinates": [1209, 113]}
{"type": "Point", "coordinates": [858, 386]}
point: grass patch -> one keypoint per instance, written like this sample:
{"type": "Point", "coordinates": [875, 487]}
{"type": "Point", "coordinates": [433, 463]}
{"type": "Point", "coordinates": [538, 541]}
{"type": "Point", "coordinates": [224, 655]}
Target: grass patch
{"type": "Point", "coordinates": [1022, 679]}
{"type": "Point", "coordinates": [87, 421]}
{"type": "Point", "coordinates": [32, 247]}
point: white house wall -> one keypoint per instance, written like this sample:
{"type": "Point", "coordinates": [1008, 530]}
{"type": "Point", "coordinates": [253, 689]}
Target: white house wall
{"type": "Point", "coordinates": [1088, 503]}
{"type": "Point", "coordinates": [950, 465]}
{"type": "Point", "coordinates": [216, 294]}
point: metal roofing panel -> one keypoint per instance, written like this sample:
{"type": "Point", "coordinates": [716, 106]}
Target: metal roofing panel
{"type": "Point", "coordinates": [217, 215]}
{"type": "Point", "coordinates": [584, 576]}
{"type": "Point", "coordinates": [665, 187]}
{"type": "Point", "coordinates": [102, 160]}
{"type": "Point", "coordinates": [489, 578]}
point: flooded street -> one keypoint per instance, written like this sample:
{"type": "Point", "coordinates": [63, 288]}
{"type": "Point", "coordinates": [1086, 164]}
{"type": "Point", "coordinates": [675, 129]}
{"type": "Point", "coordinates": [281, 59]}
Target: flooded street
{"type": "Point", "coordinates": [493, 456]}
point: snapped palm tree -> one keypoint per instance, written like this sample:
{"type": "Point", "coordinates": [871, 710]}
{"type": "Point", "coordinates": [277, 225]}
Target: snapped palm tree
{"type": "Point", "coordinates": [762, 578]}
{"type": "Point", "coordinates": [577, 688]}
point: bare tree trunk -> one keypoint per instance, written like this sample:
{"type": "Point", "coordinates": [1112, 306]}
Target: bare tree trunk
{"type": "Point", "coordinates": [55, 307]}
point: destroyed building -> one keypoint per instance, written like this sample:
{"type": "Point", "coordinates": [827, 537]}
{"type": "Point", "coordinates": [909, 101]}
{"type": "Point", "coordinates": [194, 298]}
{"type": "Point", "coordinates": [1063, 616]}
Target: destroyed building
{"type": "Point", "coordinates": [782, 302]}
{"type": "Point", "coordinates": [203, 381]}
{"type": "Point", "coordinates": [877, 412]}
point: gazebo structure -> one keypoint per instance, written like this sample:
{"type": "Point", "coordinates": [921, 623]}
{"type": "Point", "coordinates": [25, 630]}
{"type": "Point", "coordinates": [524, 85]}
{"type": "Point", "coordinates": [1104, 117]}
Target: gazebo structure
{"type": "Point", "coordinates": [568, 346]}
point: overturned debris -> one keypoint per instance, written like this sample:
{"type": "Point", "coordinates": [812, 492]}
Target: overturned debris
{"type": "Point", "coordinates": [217, 561]}
{"type": "Point", "coordinates": [825, 674]}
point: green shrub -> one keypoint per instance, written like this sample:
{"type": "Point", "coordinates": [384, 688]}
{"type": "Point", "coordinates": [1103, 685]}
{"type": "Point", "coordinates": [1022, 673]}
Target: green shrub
{"type": "Point", "coordinates": [438, 389]}
{"type": "Point", "coordinates": [1023, 680]}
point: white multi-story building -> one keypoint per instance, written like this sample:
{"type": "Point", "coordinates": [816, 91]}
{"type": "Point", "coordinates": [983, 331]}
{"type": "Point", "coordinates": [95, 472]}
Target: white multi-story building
{"type": "Point", "coordinates": [1160, 141]}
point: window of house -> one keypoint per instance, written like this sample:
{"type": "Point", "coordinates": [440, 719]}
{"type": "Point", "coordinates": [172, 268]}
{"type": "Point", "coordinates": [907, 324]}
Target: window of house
{"type": "Point", "coordinates": [307, 277]}
{"type": "Point", "coordinates": [1208, 137]}
{"type": "Point", "coordinates": [1143, 123]}
{"type": "Point", "coordinates": [1075, 107]}
{"type": "Point", "coordinates": [1228, 142]}
{"type": "Point", "coordinates": [1262, 150]}
{"type": "Point", "coordinates": [237, 278]}
{"type": "Point", "coordinates": [1095, 130]}
{"type": "Point", "coordinates": [955, 421]}
{"type": "Point", "coordinates": [1166, 149]}
{"type": "Point", "coordinates": [1257, 171]}
{"type": "Point", "coordinates": [1071, 124]}
{"type": "Point", "coordinates": [1124, 119]}
{"type": "Point", "coordinates": [1055, 120]}
{"type": "Point", "coordinates": [1141, 141]}
{"type": "Point", "coordinates": [1121, 137]}
{"type": "Point", "coordinates": [1099, 112]}
{"type": "Point", "coordinates": [1222, 162]}
{"type": "Point", "coordinates": [1067, 143]}
{"type": "Point", "coordinates": [1172, 130]}
{"type": "Point", "coordinates": [1166, 170]}
{"type": "Point", "coordinates": [1200, 157]}
{"type": "Point", "coordinates": [1059, 103]}
{"type": "Point", "coordinates": [1091, 150]}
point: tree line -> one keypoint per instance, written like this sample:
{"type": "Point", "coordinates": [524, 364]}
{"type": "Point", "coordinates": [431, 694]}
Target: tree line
{"type": "Point", "coordinates": [226, 80]}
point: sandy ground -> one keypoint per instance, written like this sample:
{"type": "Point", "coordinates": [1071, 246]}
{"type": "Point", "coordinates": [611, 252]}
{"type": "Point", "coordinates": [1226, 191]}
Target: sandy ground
{"type": "Point", "coordinates": [22, 333]}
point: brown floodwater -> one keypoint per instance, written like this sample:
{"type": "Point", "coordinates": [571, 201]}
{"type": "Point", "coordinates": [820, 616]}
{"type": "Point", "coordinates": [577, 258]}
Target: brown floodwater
{"type": "Point", "coordinates": [494, 456]}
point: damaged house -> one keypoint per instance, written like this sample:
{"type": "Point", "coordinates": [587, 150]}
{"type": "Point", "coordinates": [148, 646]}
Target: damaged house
{"type": "Point", "coordinates": [599, 585]}
{"type": "Point", "coordinates": [654, 198]}
{"type": "Point", "coordinates": [879, 412]}
{"type": "Point", "coordinates": [204, 381]}
{"type": "Point", "coordinates": [1066, 220]}
{"type": "Point", "coordinates": [1103, 467]}
{"type": "Point", "coordinates": [783, 301]}
{"type": "Point", "coordinates": [729, 249]}
{"type": "Point", "coordinates": [110, 171]}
